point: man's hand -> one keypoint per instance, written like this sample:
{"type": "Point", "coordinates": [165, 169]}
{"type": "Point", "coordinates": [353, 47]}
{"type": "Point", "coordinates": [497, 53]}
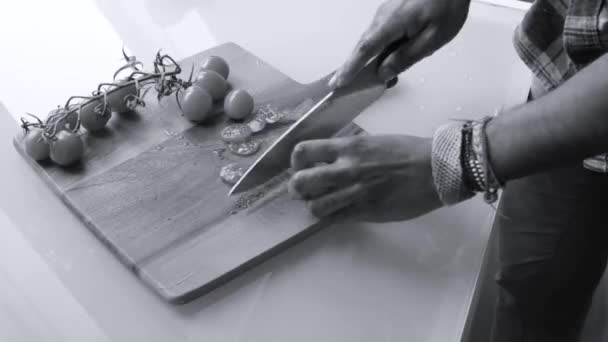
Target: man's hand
{"type": "Point", "coordinates": [371, 178]}
{"type": "Point", "coordinates": [418, 27]}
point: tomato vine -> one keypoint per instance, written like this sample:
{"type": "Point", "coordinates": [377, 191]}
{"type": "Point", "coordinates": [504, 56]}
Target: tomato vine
{"type": "Point", "coordinates": [163, 78]}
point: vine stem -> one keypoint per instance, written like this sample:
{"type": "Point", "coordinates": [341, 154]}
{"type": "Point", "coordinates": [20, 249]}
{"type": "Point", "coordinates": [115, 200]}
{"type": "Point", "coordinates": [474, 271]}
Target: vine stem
{"type": "Point", "coordinates": [165, 74]}
{"type": "Point", "coordinates": [132, 80]}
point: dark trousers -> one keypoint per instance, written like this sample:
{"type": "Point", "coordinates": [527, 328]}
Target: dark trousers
{"type": "Point", "coordinates": [553, 245]}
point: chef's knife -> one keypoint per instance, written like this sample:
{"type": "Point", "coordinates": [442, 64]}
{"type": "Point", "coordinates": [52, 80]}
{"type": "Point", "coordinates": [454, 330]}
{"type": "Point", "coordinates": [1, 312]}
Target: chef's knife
{"type": "Point", "coordinates": [328, 116]}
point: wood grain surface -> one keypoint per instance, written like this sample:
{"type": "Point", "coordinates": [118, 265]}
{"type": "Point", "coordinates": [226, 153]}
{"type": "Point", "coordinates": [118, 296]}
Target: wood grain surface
{"type": "Point", "coordinates": [149, 187]}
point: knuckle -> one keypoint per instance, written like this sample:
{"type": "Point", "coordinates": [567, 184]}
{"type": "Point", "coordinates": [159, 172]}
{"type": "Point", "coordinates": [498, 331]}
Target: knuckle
{"type": "Point", "coordinates": [319, 176]}
{"type": "Point", "coordinates": [362, 191]}
{"type": "Point", "coordinates": [346, 163]}
{"type": "Point", "coordinates": [370, 40]}
{"type": "Point", "coordinates": [352, 172]}
{"type": "Point", "coordinates": [348, 143]}
{"type": "Point", "coordinates": [386, 8]}
{"type": "Point", "coordinates": [340, 143]}
{"type": "Point", "coordinates": [401, 59]}
{"type": "Point", "coordinates": [365, 45]}
{"type": "Point", "coordinates": [358, 145]}
{"type": "Point", "coordinates": [385, 28]}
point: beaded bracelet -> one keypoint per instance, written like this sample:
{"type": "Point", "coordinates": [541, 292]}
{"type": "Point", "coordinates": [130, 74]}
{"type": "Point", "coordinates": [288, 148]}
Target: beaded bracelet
{"type": "Point", "coordinates": [461, 164]}
{"type": "Point", "coordinates": [473, 175]}
{"type": "Point", "coordinates": [479, 144]}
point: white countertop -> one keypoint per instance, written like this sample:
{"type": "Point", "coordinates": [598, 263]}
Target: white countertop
{"type": "Point", "coordinates": [403, 281]}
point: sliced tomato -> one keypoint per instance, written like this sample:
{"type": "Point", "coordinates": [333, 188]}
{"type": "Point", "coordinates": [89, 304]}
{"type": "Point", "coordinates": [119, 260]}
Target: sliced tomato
{"type": "Point", "coordinates": [236, 133]}
{"type": "Point", "coordinates": [270, 114]}
{"type": "Point", "coordinates": [257, 124]}
{"type": "Point", "coordinates": [231, 173]}
{"type": "Point", "coordinates": [244, 149]}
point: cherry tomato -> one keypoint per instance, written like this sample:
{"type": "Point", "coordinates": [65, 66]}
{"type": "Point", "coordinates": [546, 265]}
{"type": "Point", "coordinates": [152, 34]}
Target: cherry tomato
{"type": "Point", "coordinates": [236, 133]}
{"type": "Point", "coordinates": [238, 104]}
{"type": "Point", "coordinates": [92, 117]}
{"type": "Point", "coordinates": [35, 145]}
{"type": "Point", "coordinates": [119, 96]}
{"type": "Point", "coordinates": [197, 104]}
{"type": "Point", "coordinates": [213, 82]}
{"type": "Point", "coordinates": [217, 64]}
{"type": "Point", "coordinates": [67, 148]}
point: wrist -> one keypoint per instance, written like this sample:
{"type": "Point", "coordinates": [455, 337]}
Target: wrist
{"type": "Point", "coordinates": [461, 164]}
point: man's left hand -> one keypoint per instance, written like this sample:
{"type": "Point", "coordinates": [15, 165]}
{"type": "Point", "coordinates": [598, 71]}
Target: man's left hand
{"type": "Point", "coordinates": [365, 178]}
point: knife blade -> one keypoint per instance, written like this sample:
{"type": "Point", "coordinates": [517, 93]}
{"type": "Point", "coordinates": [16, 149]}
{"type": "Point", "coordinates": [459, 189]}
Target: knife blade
{"type": "Point", "coordinates": [328, 116]}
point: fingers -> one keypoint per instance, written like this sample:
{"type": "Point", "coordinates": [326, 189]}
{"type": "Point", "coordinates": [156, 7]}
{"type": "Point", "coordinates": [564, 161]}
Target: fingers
{"type": "Point", "coordinates": [372, 43]}
{"type": "Point", "coordinates": [335, 201]}
{"type": "Point", "coordinates": [320, 167]}
{"type": "Point", "coordinates": [421, 46]}
{"type": "Point", "coordinates": [309, 153]}
{"type": "Point", "coordinates": [317, 181]}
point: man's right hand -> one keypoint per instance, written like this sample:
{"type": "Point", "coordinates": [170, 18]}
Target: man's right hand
{"type": "Point", "coordinates": [421, 27]}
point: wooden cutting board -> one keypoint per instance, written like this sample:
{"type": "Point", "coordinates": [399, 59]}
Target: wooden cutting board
{"type": "Point", "coordinates": [149, 188]}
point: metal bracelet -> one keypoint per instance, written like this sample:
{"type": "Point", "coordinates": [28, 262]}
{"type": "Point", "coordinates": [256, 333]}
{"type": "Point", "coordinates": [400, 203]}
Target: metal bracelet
{"type": "Point", "coordinates": [480, 147]}
{"type": "Point", "coordinates": [472, 170]}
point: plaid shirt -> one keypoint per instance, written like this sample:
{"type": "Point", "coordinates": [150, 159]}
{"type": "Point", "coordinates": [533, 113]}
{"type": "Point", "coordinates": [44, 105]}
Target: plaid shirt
{"type": "Point", "coordinates": [559, 37]}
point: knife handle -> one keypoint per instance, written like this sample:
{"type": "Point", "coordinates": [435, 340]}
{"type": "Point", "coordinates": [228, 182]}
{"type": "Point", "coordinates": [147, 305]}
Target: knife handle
{"type": "Point", "coordinates": [392, 82]}
{"type": "Point", "coordinates": [392, 47]}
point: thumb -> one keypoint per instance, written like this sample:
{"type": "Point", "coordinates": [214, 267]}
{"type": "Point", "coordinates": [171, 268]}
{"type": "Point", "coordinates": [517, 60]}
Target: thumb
{"type": "Point", "coordinates": [417, 48]}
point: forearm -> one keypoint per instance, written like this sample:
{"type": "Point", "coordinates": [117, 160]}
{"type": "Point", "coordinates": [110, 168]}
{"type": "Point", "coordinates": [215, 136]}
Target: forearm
{"type": "Point", "coordinates": [568, 124]}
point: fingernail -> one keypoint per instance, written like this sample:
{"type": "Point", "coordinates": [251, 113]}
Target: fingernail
{"type": "Point", "coordinates": [386, 74]}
